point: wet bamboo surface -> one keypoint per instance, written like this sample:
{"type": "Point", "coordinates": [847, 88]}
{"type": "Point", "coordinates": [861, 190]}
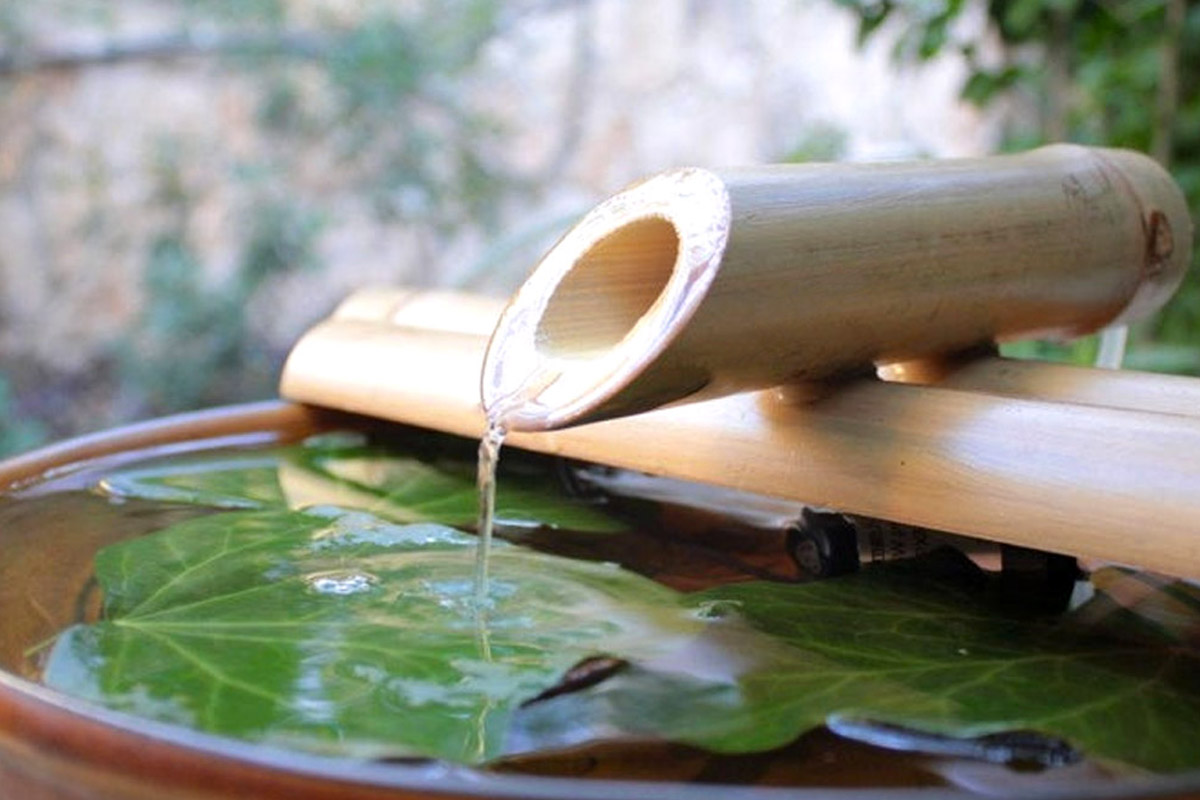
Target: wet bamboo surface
{"type": "Point", "coordinates": [1099, 464]}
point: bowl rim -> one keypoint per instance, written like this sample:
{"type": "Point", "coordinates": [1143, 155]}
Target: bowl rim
{"type": "Point", "coordinates": [66, 728]}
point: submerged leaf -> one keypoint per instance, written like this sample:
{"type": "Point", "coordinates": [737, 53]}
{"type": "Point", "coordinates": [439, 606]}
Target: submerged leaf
{"type": "Point", "coordinates": [344, 471]}
{"type": "Point", "coordinates": [347, 633]}
{"type": "Point", "coordinates": [894, 645]}
{"type": "Point", "coordinates": [239, 480]}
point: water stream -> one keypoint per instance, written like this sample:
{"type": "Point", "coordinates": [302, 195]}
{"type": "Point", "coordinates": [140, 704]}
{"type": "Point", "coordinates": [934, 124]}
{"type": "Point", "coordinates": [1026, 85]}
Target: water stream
{"type": "Point", "coordinates": [489, 457]}
{"type": "Point", "coordinates": [503, 401]}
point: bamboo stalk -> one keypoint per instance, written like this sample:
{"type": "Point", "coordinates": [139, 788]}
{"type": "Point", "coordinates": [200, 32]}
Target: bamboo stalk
{"type": "Point", "coordinates": [427, 309]}
{"type": "Point", "coordinates": [1063, 383]}
{"type": "Point", "coordinates": [404, 374]}
{"type": "Point", "coordinates": [1115, 484]}
{"type": "Point", "coordinates": [696, 284]}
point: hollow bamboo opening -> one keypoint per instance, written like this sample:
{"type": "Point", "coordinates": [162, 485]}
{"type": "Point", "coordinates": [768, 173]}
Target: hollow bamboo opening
{"type": "Point", "coordinates": [608, 289]}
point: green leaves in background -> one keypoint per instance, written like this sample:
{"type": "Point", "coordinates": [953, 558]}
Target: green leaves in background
{"type": "Point", "coordinates": [341, 632]}
{"type": "Point", "coordinates": [1119, 74]}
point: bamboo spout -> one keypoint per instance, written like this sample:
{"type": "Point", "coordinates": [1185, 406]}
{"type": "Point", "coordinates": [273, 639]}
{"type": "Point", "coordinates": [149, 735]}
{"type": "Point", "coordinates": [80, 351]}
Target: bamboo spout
{"type": "Point", "coordinates": [697, 284]}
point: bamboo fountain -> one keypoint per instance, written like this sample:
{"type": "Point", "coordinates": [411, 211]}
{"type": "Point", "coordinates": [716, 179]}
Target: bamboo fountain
{"type": "Point", "coordinates": [824, 333]}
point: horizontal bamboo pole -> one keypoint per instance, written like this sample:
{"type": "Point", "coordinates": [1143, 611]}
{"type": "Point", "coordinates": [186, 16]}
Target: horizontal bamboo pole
{"type": "Point", "coordinates": [1064, 383]}
{"type": "Point", "coordinates": [1115, 484]}
{"type": "Point", "coordinates": [696, 283]}
{"type": "Point", "coordinates": [426, 309]}
{"type": "Point", "coordinates": [977, 370]}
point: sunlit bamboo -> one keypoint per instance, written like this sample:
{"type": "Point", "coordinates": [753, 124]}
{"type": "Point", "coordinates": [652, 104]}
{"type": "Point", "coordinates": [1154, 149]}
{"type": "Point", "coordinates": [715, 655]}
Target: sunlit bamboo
{"type": "Point", "coordinates": [1113, 483]}
{"type": "Point", "coordinates": [696, 283]}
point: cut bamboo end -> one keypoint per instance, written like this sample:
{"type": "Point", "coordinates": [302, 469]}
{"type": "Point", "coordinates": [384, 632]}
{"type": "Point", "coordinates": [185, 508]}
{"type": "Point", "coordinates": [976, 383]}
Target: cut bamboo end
{"type": "Point", "coordinates": [697, 284]}
{"type": "Point", "coordinates": [603, 303]}
{"type": "Point", "coordinates": [1167, 229]}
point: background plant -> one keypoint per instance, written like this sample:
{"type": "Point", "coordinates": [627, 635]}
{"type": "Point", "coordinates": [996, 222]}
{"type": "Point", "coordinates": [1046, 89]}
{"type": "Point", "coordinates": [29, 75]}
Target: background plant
{"type": "Point", "coordinates": [374, 97]}
{"type": "Point", "coordinates": [391, 135]}
{"type": "Point", "coordinates": [1103, 72]}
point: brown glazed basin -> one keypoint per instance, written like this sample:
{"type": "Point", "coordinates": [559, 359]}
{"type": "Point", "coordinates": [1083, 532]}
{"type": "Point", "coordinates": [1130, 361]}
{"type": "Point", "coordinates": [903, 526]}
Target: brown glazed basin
{"type": "Point", "coordinates": [53, 747]}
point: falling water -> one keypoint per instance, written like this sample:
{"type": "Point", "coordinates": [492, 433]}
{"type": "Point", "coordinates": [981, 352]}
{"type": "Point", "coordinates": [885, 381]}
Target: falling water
{"type": "Point", "coordinates": [489, 455]}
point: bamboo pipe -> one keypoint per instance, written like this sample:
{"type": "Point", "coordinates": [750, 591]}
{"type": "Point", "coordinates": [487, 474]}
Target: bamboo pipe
{"type": "Point", "coordinates": [977, 370]}
{"type": "Point", "coordinates": [1063, 383]}
{"type": "Point", "coordinates": [697, 284]}
{"type": "Point", "coordinates": [1108, 483]}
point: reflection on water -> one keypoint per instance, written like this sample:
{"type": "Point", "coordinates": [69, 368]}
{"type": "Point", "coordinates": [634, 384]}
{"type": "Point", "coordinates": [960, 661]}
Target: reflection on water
{"type": "Point", "coordinates": [341, 582]}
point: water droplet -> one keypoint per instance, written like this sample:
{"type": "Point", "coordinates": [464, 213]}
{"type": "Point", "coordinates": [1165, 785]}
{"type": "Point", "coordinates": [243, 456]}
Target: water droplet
{"type": "Point", "coordinates": [341, 582]}
{"type": "Point", "coordinates": [717, 609]}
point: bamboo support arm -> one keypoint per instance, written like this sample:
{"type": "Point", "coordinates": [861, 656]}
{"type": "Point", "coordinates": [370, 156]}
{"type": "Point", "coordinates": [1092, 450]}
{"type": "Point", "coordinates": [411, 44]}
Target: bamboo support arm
{"type": "Point", "coordinates": [1062, 383]}
{"type": "Point", "coordinates": [699, 285]}
{"type": "Point", "coordinates": [1113, 483]}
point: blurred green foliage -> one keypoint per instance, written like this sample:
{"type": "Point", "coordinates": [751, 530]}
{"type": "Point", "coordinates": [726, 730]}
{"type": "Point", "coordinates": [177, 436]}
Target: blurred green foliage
{"type": "Point", "coordinates": [402, 122]}
{"type": "Point", "coordinates": [820, 141]}
{"type": "Point", "coordinates": [1122, 73]}
{"type": "Point", "coordinates": [380, 95]}
{"type": "Point", "coordinates": [385, 97]}
{"type": "Point", "coordinates": [194, 343]}
{"type": "Point", "coordinates": [18, 429]}
{"type": "Point", "coordinates": [401, 133]}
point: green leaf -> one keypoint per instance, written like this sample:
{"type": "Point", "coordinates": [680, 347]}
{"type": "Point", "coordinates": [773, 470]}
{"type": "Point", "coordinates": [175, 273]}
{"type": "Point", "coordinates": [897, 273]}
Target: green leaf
{"type": "Point", "coordinates": [1021, 17]}
{"type": "Point", "coordinates": [891, 646]}
{"type": "Point", "coordinates": [983, 85]}
{"type": "Point", "coordinates": [345, 633]}
{"type": "Point", "coordinates": [345, 471]}
{"type": "Point", "coordinates": [904, 649]}
{"type": "Point", "coordinates": [232, 481]}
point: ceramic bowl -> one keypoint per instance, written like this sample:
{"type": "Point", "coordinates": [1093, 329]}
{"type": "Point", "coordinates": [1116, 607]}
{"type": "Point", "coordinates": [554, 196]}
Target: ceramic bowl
{"type": "Point", "coordinates": [54, 747]}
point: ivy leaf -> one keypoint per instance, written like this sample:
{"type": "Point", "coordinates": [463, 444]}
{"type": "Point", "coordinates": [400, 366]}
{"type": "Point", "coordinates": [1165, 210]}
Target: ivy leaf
{"type": "Point", "coordinates": [341, 469]}
{"type": "Point", "coordinates": [341, 632]}
{"type": "Point", "coordinates": [897, 646]}
{"type": "Point", "coordinates": [238, 480]}
{"type": "Point", "coordinates": [348, 634]}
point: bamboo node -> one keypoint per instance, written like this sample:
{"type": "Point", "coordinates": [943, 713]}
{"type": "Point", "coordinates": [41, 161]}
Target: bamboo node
{"type": "Point", "coordinates": [1160, 243]}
